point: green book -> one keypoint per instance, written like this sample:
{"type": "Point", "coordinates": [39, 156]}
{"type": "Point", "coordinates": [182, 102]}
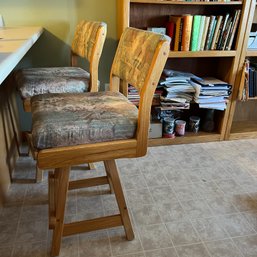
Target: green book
{"type": "Point", "coordinates": [195, 33]}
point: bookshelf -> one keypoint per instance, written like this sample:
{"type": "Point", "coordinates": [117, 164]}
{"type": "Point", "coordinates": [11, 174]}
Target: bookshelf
{"type": "Point", "coordinates": [220, 64]}
{"type": "Point", "coordinates": [242, 121]}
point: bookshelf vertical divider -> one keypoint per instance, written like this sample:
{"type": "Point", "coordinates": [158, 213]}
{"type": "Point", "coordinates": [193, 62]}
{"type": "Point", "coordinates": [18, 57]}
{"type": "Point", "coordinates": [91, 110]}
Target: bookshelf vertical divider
{"type": "Point", "coordinates": [239, 125]}
{"type": "Point", "coordinates": [221, 64]}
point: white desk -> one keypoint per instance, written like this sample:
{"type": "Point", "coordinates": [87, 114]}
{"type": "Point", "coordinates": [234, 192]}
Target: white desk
{"type": "Point", "coordinates": [14, 44]}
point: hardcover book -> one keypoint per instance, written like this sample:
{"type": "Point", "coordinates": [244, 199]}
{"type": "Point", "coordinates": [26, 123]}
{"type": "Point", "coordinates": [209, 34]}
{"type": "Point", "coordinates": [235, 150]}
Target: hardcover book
{"type": "Point", "coordinates": [195, 32]}
{"type": "Point", "coordinates": [170, 31]}
{"type": "Point", "coordinates": [233, 30]}
{"type": "Point", "coordinates": [217, 29]}
{"type": "Point", "coordinates": [208, 37]}
{"type": "Point", "coordinates": [224, 25]}
{"type": "Point", "coordinates": [177, 21]}
{"type": "Point", "coordinates": [186, 32]}
{"type": "Point", "coordinates": [205, 31]}
{"type": "Point", "coordinates": [201, 30]}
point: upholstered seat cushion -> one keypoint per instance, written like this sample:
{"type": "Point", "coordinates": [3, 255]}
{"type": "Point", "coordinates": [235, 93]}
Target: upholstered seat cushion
{"type": "Point", "coordinates": [74, 119]}
{"type": "Point", "coordinates": [36, 81]}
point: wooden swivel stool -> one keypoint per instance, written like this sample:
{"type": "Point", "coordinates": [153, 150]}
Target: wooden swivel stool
{"type": "Point", "coordinates": [87, 43]}
{"type": "Point", "coordinates": [71, 129]}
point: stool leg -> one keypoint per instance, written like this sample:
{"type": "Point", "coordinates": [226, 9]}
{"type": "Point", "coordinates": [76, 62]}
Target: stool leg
{"type": "Point", "coordinates": [108, 177]}
{"type": "Point", "coordinates": [62, 181]}
{"type": "Point", "coordinates": [114, 176]}
{"type": "Point", "coordinates": [39, 175]}
{"type": "Point", "coordinates": [51, 200]}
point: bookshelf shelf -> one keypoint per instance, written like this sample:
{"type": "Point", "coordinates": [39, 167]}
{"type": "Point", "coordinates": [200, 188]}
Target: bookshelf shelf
{"type": "Point", "coordinates": [189, 138]}
{"type": "Point", "coordinates": [191, 54]}
{"type": "Point", "coordinates": [243, 130]}
{"type": "Point", "coordinates": [185, 2]}
{"type": "Point", "coordinates": [251, 53]}
{"type": "Point", "coordinates": [252, 98]}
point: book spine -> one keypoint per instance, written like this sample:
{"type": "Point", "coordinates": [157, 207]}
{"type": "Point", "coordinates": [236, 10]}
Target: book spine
{"type": "Point", "coordinates": [219, 33]}
{"type": "Point", "coordinates": [201, 32]}
{"type": "Point", "coordinates": [216, 32]}
{"type": "Point", "coordinates": [170, 31]}
{"type": "Point", "coordinates": [233, 32]}
{"type": "Point", "coordinates": [208, 37]}
{"type": "Point", "coordinates": [180, 34]}
{"type": "Point", "coordinates": [186, 34]}
{"type": "Point", "coordinates": [225, 34]}
{"type": "Point", "coordinates": [205, 30]}
{"type": "Point", "coordinates": [177, 32]}
{"type": "Point", "coordinates": [195, 32]}
{"type": "Point", "coordinates": [222, 32]}
{"type": "Point", "coordinates": [250, 82]}
{"type": "Point", "coordinates": [212, 33]}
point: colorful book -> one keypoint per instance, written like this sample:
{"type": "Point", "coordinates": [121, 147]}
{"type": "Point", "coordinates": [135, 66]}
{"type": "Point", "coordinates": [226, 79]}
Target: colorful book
{"type": "Point", "coordinates": [177, 21]}
{"type": "Point", "coordinates": [224, 24]}
{"type": "Point", "coordinates": [195, 32]}
{"type": "Point", "coordinates": [205, 31]}
{"type": "Point", "coordinates": [186, 32]}
{"type": "Point", "coordinates": [208, 37]}
{"type": "Point", "coordinates": [233, 31]}
{"type": "Point", "coordinates": [200, 36]}
{"type": "Point", "coordinates": [219, 33]}
{"type": "Point", "coordinates": [212, 33]}
{"type": "Point", "coordinates": [225, 33]}
{"type": "Point", "coordinates": [219, 20]}
{"type": "Point", "coordinates": [170, 31]}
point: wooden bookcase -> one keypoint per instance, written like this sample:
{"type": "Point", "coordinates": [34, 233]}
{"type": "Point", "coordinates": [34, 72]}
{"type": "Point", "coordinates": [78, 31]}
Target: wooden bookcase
{"type": "Point", "coordinates": [242, 122]}
{"type": "Point", "coordinates": [220, 64]}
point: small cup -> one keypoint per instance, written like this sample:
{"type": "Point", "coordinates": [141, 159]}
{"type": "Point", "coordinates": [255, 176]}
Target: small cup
{"type": "Point", "coordinates": [180, 127]}
{"type": "Point", "coordinates": [168, 127]}
{"type": "Point", "coordinates": [194, 123]}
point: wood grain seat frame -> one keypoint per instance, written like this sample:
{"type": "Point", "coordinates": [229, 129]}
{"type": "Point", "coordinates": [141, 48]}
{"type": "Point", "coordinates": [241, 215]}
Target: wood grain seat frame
{"type": "Point", "coordinates": [62, 158]}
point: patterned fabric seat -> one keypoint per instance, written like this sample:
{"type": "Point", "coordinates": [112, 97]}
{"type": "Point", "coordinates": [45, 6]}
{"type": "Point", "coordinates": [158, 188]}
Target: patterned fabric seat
{"type": "Point", "coordinates": [52, 80]}
{"type": "Point", "coordinates": [74, 119]}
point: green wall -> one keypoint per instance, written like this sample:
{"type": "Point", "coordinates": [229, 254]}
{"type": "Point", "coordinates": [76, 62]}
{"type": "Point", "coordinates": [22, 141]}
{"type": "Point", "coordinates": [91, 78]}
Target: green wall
{"type": "Point", "coordinates": [59, 18]}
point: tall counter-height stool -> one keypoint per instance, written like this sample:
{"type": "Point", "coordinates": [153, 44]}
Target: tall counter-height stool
{"type": "Point", "coordinates": [87, 43]}
{"type": "Point", "coordinates": [71, 129]}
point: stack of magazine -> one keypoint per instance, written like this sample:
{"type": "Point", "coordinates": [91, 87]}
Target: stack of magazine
{"type": "Point", "coordinates": [211, 93]}
{"type": "Point", "coordinates": [178, 89]}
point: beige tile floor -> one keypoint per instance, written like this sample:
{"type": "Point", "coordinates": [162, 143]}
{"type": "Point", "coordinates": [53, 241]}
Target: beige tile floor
{"type": "Point", "coordinates": [197, 200]}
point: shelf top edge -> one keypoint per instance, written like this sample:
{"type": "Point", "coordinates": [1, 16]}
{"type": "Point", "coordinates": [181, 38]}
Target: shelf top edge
{"type": "Point", "coordinates": [212, 53]}
{"type": "Point", "coordinates": [185, 2]}
{"type": "Point", "coordinates": [251, 52]}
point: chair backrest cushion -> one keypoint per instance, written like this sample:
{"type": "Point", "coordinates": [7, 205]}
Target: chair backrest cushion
{"type": "Point", "coordinates": [85, 38]}
{"type": "Point", "coordinates": [135, 54]}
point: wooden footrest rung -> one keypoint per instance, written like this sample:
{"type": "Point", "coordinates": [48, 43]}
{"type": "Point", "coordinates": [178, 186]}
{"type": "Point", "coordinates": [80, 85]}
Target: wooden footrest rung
{"type": "Point", "coordinates": [92, 225]}
{"type": "Point", "coordinates": [89, 182]}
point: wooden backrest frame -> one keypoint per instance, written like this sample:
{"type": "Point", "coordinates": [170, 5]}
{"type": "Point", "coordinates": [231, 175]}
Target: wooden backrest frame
{"type": "Point", "coordinates": [146, 93]}
{"type": "Point", "coordinates": [94, 58]}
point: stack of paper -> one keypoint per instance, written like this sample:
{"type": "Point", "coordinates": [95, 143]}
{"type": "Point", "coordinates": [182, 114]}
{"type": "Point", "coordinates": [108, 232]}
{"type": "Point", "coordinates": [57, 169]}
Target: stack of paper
{"type": "Point", "coordinates": [179, 91]}
{"type": "Point", "coordinates": [211, 93]}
